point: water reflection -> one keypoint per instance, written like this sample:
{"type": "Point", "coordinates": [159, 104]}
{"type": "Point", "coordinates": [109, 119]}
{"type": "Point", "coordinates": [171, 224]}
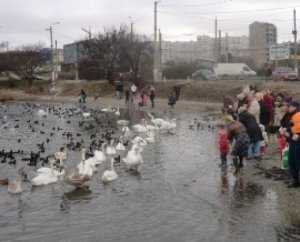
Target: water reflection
{"type": "Point", "coordinates": [79, 194]}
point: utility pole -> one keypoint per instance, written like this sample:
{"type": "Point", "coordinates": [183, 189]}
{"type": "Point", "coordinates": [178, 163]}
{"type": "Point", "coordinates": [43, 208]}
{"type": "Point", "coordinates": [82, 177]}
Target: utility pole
{"type": "Point", "coordinates": [52, 54]}
{"type": "Point", "coordinates": [55, 61]}
{"type": "Point", "coordinates": [156, 56]}
{"type": "Point", "coordinates": [51, 46]}
{"type": "Point", "coordinates": [131, 31]}
{"type": "Point", "coordinates": [89, 32]}
{"type": "Point", "coordinates": [160, 51]}
{"type": "Point", "coordinates": [227, 47]}
{"type": "Point", "coordinates": [295, 42]}
{"type": "Point", "coordinates": [216, 41]}
{"type": "Point", "coordinates": [220, 46]}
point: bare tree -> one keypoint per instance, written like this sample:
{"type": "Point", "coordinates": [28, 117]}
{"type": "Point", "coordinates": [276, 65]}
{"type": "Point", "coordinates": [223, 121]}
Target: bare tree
{"type": "Point", "coordinates": [24, 61]}
{"type": "Point", "coordinates": [116, 50]}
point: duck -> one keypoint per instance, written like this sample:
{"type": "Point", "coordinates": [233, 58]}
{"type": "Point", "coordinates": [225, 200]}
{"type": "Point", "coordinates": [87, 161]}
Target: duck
{"type": "Point", "coordinates": [15, 187]}
{"type": "Point", "coordinates": [76, 179]}
{"type": "Point", "coordinates": [110, 149]}
{"type": "Point", "coordinates": [134, 159]}
{"type": "Point", "coordinates": [109, 175]}
{"type": "Point", "coordinates": [4, 181]}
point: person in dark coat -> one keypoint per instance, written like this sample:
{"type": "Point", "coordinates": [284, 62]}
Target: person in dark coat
{"type": "Point", "coordinates": [172, 100]}
{"type": "Point", "coordinates": [152, 96]}
{"type": "Point", "coordinates": [83, 96]}
{"type": "Point", "coordinates": [269, 104]}
{"type": "Point", "coordinates": [253, 131]}
{"type": "Point", "coordinates": [177, 91]}
{"type": "Point", "coordinates": [264, 117]}
{"type": "Point", "coordinates": [293, 136]}
{"type": "Point", "coordinates": [237, 132]}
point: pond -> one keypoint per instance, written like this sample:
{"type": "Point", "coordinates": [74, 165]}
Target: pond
{"type": "Point", "coordinates": [180, 195]}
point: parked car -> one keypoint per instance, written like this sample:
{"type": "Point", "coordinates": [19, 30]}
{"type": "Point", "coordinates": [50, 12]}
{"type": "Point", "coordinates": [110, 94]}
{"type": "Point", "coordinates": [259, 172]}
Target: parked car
{"type": "Point", "coordinates": [284, 74]}
{"type": "Point", "coordinates": [204, 74]}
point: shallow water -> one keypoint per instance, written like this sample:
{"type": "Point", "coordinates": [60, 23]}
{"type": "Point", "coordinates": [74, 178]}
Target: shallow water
{"type": "Point", "coordinates": [181, 194]}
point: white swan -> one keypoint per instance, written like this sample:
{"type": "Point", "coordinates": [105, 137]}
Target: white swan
{"type": "Point", "coordinates": [163, 124]}
{"type": "Point", "coordinates": [169, 125]}
{"type": "Point", "coordinates": [120, 146]}
{"type": "Point", "coordinates": [99, 155]}
{"type": "Point", "coordinates": [47, 176]}
{"type": "Point", "coordinates": [139, 141]}
{"type": "Point", "coordinates": [140, 128]}
{"type": "Point", "coordinates": [117, 113]}
{"type": "Point", "coordinates": [107, 110]}
{"type": "Point", "coordinates": [86, 167]}
{"type": "Point", "coordinates": [150, 137]}
{"type": "Point", "coordinates": [156, 121]}
{"type": "Point", "coordinates": [123, 122]}
{"type": "Point", "coordinates": [126, 132]}
{"type": "Point", "coordinates": [61, 155]}
{"type": "Point", "coordinates": [109, 175]}
{"type": "Point", "coordinates": [42, 113]}
{"type": "Point", "coordinates": [110, 149]}
{"type": "Point", "coordinates": [134, 159]}
{"type": "Point", "coordinates": [86, 115]}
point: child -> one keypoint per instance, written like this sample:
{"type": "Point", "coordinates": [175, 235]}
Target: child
{"type": "Point", "coordinates": [265, 141]}
{"type": "Point", "coordinates": [282, 142]}
{"type": "Point", "coordinates": [223, 144]}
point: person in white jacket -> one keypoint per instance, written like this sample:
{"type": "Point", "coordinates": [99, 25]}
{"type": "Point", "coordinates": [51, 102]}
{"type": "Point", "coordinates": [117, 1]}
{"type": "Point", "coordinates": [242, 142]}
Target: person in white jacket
{"type": "Point", "coordinates": [254, 107]}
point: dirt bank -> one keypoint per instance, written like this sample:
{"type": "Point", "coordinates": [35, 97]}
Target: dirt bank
{"type": "Point", "coordinates": [208, 91]}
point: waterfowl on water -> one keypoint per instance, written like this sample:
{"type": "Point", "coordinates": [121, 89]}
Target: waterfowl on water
{"type": "Point", "coordinates": [134, 159]}
{"type": "Point", "coordinates": [109, 175]}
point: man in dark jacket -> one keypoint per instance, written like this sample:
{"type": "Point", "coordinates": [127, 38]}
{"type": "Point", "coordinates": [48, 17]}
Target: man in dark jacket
{"type": "Point", "coordinates": [293, 136]}
{"type": "Point", "coordinates": [253, 131]}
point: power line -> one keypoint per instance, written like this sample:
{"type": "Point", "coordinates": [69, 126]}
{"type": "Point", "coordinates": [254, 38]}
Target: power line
{"type": "Point", "coordinates": [196, 5]}
{"type": "Point", "coordinates": [229, 12]}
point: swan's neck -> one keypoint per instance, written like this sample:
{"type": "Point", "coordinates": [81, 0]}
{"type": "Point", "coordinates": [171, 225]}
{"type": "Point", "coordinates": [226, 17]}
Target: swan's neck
{"type": "Point", "coordinates": [112, 164]}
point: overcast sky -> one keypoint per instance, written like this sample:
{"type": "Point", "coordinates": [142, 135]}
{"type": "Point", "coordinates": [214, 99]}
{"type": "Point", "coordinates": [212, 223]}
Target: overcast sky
{"type": "Point", "coordinates": [25, 21]}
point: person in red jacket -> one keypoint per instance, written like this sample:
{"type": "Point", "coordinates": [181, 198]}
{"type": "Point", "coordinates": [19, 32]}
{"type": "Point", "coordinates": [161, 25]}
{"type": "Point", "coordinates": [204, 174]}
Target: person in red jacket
{"type": "Point", "coordinates": [223, 144]}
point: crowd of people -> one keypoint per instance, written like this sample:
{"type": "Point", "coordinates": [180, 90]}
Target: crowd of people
{"type": "Point", "coordinates": [250, 119]}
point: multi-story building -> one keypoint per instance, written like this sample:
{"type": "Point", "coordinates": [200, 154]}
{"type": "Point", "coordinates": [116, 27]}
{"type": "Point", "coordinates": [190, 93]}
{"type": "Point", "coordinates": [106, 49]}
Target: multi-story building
{"type": "Point", "coordinates": [202, 48]}
{"type": "Point", "coordinates": [4, 46]}
{"type": "Point", "coordinates": [261, 37]}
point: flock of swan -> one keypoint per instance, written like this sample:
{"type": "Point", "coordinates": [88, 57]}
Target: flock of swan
{"type": "Point", "coordinates": [126, 150]}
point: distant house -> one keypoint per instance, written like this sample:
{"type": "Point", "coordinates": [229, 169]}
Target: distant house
{"type": "Point", "coordinates": [233, 70]}
{"type": "Point", "coordinates": [75, 52]}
